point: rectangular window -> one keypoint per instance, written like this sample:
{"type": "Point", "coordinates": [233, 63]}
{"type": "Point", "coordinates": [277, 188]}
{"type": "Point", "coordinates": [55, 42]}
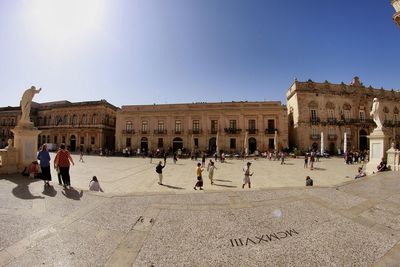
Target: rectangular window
{"type": "Point", "coordinates": [196, 142]}
{"type": "Point", "coordinates": [160, 126]}
{"type": "Point", "coordinates": [55, 139]}
{"type": "Point", "coordinates": [232, 125]}
{"type": "Point", "coordinates": [196, 125]}
{"type": "Point", "coordinates": [178, 126]}
{"type": "Point", "coordinates": [313, 114]}
{"type": "Point", "coordinates": [92, 140]}
{"type": "Point", "coordinates": [128, 126]}
{"type": "Point", "coordinates": [128, 142]}
{"type": "Point", "coordinates": [331, 131]}
{"type": "Point", "coordinates": [252, 124]}
{"type": "Point", "coordinates": [347, 115]}
{"type": "Point", "coordinates": [396, 117]}
{"type": "Point", "coordinates": [94, 119]}
{"type": "Point", "coordinates": [271, 126]}
{"type": "Point", "coordinates": [331, 114]}
{"type": "Point", "coordinates": [314, 131]}
{"type": "Point", "coordinates": [145, 126]}
{"type": "Point", "coordinates": [82, 140]}
{"type": "Point", "coordinates": [233, 143]}
{"type": "Point", "coordinates": [362, 116]}
{"type": "Point", "coordinates": [63, 139]}
{"type": "Point", "coordinates": [386, 116]}
{"type": "Point", "coordinates": [271, 143]}
{"type": "Point", "coordinates": [160, 143]}
{"type": "Point", "coordinates": [214, 126]}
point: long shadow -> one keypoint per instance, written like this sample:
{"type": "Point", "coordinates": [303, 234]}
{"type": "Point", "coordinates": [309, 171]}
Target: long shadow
{"type": "Point", "coordinates": [224, 185]}
{"type": "Point", "coordinates": [173, 187]}
{"type": "Point", "coordinates": [72, 193]}
{"type": "Point", "coordinates": [319, 169]}
{"type": "Point", "coordinates": [288, 163]}
{"type": "Point", "coordinates": [220, 180]}
{"type": "Point", "coordinates": [22, 189]}
{"type": "Point", "coordinates": [49, 191]}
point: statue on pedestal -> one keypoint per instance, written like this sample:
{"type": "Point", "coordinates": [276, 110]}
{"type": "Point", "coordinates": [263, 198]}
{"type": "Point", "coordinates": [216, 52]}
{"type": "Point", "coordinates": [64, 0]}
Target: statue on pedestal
{"type": "Point", "coordinates": [375, 114]}
{"type": "Point", "coordinates": [26, 102]}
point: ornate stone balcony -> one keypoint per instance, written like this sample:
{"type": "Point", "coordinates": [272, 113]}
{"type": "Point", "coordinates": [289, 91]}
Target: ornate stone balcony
{"type": "Point", "coordinates": [131, 131]}
{"type": "Point", "coordinates": [232, 130]}
{"type": "Point", "coordinates": [178, 132]}
{"type": "Point", "coordinates": [195, 131]}
{"type": "Point", "coordinates": [160, 131]}
{"type": "Point", "coordinates": [252, 131]}
{"type": "Point", "coordinates": [270, 131]}
{"type": "Point", "coordinates": [315, 136]}
{"type": "Point", "coordinates": [332, 137]}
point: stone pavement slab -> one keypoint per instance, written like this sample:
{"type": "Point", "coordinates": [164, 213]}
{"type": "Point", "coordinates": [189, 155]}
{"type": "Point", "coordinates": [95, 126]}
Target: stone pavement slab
{"type": "Point", "coordinates": [350, 224]}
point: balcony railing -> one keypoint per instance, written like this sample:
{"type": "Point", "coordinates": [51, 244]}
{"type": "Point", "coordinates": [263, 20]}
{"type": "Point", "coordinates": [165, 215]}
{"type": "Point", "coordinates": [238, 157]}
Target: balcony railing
{"type": "Point", "coordinates": [131, 131]}
{"type": "Point", "coordinates": [144, 131]}
{"type": "Point", "coordinates": [331, 121]}
{"type": "Point", "coordinates": [315, 120]}
{"type": "Point", "coordinates": [315, 136]}
{"type": "Point", "coordinates": [232, 130]}
{"type": "Point", "coordinates": [195, 131]}
{"type": "Point", "coordinates": [270, 131]}
{"type": "Point", "coordinates": [160, 131]}
{"type": "Point", "coordinates": [178, 132]}
{"type": "Point", "coordinates": [252, 131]}
{"type": "Point", "coordinates": [213, 131]}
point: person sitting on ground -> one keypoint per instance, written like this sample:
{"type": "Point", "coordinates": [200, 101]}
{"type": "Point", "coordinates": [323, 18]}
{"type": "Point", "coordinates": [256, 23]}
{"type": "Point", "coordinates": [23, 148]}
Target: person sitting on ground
{"type": "Point", "coordinates": [309, 181]}
{"type": "Point", "coordinates": [360, 174]}
{"type": "Point", "coordinates": [382, 166]}
{"type": "Point", "coordinates": [34, 170]}
{"type": "Point", "coordinates": [94, 185]}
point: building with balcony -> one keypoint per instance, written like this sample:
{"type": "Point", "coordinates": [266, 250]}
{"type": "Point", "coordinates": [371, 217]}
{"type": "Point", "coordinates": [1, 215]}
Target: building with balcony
{"type": "Point", "coordinates": [203, 126]}
{"type": "Point", "coordinates": [333, 109]}
{"type": "Point", "coordinates": [88, 125]}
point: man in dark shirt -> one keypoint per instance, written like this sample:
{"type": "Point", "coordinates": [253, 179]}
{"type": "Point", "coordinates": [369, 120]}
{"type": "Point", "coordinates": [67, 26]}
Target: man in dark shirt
{"type": "Point", "coordinates": [382, 166]}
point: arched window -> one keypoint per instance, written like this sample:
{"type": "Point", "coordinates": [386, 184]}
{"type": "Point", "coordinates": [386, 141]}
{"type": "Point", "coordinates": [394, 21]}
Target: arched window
{"type": "Point", "coordinates": [94, 119]}
{"type": "Point", "coordinates": [84, 119]}
{"type": "Point", "coordinates": [74, 119]}
{"type": "Point", "coordinates": [65, 120]}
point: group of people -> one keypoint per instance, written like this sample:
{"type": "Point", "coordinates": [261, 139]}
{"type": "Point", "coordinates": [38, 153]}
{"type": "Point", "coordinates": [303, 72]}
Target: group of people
{"type": "Point", "coordinates": [62, 163]}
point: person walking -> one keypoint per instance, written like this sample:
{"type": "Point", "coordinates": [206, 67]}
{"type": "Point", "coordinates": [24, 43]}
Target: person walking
{"type": "Point", "coordinates": [165, 157]}
{"type": "Point", "coordinates": [203, 160]}
{"type": "Point", "coordinates": [306, 161]}
{"type": "Point", "coordinates": [81, 156]}
{"type": "Point", "coordinates": [175, 158]}
{"type": "Point", "coordinates": [199, 172]}
{"type": "Point", "coordinates": [247, 174]}
{"type": "Point", "coordinates": [44, 158]}
{"type": "Point", "coordinates": [63, 160]}
{"type": "Point", "coordinates": [159, 168]}
{"type": "Point", "coordinates": [211, 169]}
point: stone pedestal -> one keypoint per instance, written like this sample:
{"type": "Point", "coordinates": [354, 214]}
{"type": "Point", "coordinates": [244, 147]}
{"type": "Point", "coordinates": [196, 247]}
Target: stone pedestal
{"type": "Point", "coordinates": [393, 158]}
{"type": "Point", "coordinates": [25, 143]}
{"type": "Point", "coordinates": [377, 147]}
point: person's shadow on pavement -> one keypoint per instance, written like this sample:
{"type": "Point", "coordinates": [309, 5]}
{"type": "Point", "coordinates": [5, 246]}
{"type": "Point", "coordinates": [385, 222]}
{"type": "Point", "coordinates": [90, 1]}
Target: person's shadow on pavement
{"type": "Point", "coordinates": [49, 191]}
{"type": "Point", "coordinates": [72, 193]}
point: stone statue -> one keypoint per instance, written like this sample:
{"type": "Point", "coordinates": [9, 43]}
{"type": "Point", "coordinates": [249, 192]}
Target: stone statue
{"type": "Point", "coordinates": [375, 114]}
{"type": "Point", "coordinates": [10, 144]}
{"type": "Point", "coordinates": [26, 102]}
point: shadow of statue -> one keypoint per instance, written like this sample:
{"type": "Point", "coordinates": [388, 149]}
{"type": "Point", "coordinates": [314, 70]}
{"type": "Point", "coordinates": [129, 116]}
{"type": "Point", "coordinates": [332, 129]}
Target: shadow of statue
{"type": "Point", "coordinates": [49, 191]}
{"type": "Point", "coordinates": [72, 193]}
{"type": "Point", "coordinates": [173, 187]}
{"type": "Point", "coordinates": [22, 189]}
{"type": "Point", "coordinates": [220, 180]}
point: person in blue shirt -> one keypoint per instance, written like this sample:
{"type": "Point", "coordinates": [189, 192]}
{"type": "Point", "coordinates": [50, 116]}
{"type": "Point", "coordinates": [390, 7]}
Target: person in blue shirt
{"type": "Point", "coordinates": [44, 158]}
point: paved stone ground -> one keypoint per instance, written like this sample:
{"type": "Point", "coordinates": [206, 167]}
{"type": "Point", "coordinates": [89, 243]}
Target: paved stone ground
{"type": "Point", "coordinates": [356, 223]}
{"type": "Point", "coordinates": [119, 176]}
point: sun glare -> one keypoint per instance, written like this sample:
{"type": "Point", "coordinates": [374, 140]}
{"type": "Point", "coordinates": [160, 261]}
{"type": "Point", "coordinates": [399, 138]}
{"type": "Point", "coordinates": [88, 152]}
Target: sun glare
{"type": "Point", "coordinates": [62, 22]}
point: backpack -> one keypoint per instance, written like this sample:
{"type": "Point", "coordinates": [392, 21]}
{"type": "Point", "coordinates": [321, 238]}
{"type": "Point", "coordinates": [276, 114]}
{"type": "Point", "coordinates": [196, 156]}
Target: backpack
{"type": "Point", "coordinates": [158, 169]}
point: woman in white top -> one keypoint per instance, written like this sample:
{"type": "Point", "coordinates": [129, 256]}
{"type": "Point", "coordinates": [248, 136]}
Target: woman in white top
{"type": "Point", "coordinates": [94, 185]}
{"type": "Point", "coordinates": [211, 169]}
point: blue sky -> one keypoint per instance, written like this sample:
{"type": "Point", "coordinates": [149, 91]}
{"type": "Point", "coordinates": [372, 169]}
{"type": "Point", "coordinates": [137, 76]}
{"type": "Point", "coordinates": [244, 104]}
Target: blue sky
{"type": "Point", "coordinates": [173, 51]}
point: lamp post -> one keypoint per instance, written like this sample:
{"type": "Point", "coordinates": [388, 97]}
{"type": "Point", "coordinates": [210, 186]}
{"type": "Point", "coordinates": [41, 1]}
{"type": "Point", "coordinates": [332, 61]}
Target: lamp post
{"type": "Point", "coordinates": [396, 16]}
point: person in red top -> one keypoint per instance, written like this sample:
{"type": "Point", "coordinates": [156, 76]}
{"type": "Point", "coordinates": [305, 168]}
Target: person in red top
{"type": "Point", "coordinates": [62, 161]}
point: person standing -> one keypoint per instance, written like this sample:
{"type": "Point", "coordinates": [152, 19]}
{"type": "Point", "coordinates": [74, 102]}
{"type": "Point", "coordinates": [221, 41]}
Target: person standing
{"type": "Point", "coordinates": [165, 158]}
{"type": "Point", "coordinates": [211, 169]}
{"type": "Point", "coordinates": [306, 161]}
{"type": "Point", "coordinates": [159, 168]}
{"type": "Point", "coordinates": [203, 160]}
{"type": "Point", "coordinates": [44, 158]}
{"type": "Point", "coordinates": [175, 158]}
{"type": "Point", "coordinates": [247, 174]}
{"type": "Point", "coordinates": [199, 175]}
{"type": "Point", "coordinates": [63, 160]}
{"type": "Point", "coordinates": [81, 156]}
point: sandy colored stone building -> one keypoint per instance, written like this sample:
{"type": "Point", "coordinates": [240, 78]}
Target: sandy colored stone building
{"type": "Point", "coordinates": [228, 126]}
{"type": "Point", "coordinates": [333, 109]}
{"type": "Point", "coordinates": [89, 125]}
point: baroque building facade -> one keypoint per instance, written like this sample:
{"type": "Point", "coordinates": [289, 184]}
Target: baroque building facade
{"type": "Point", "coordinates": [227, 126]}
{"type": "Point", "coordinates": [88, 125]}
{"type": "Point", "coordinates": [333, 109]}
